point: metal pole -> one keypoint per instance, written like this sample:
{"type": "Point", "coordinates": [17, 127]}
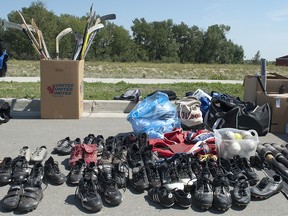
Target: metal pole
{"type": "Point", "coordinates": [263, 73]}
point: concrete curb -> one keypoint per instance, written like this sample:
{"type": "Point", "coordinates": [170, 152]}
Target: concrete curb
{"type": "Point", "coordinates": [30, 108]}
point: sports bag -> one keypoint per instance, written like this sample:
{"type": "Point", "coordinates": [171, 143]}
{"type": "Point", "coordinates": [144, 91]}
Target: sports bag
{"type": "Point", "coordinates": [189, 113]}
{"type": "Point", "coordinates": [229, 112]}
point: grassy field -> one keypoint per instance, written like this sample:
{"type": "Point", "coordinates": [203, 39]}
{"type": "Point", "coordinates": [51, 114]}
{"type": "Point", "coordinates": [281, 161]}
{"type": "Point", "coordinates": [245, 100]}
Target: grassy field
{"type": "Point", "coordinates": [103, 91]}
{"type": "Point", "coordinates": [152, 70]}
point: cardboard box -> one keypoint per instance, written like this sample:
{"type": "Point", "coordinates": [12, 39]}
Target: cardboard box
{"type": "Point", "coordinates": [252, 86]}
{"type": "Point", "coordinates": [279, 110]}
{"type": "Point", "coordinates": [61, 89]}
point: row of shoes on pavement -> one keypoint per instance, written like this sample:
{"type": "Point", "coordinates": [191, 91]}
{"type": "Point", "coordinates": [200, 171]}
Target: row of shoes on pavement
{"type": "Point", "coordinates": [25, 192]}
{"type": "Point", "coordinates": [212, 187]}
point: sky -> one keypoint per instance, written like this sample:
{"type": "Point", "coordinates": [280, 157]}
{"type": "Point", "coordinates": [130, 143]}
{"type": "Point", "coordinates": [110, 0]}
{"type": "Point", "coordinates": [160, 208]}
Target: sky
{"type": "Point", "coordinates": [256, 25]}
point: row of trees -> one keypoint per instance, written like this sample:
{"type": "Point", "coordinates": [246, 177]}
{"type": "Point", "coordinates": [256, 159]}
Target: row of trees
{"type": "Point", "coordinates": [161, 41]}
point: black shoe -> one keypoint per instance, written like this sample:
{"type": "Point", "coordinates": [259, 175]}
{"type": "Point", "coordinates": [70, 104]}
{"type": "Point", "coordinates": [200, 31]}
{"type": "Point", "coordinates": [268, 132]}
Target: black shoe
{"type": "Point", "coordinates": [121, 173]}
{"type": "Point", "coordinates": [91, 171]}
{"type": "Point", "coordinates": [139, 178]}
{"type": "Point", "coordinates": [162, 196]}
{"type": "Point", "coordinates": [6, 171]}
{"type": "Point", "coordinates": [21, 169]}
{"type": "Point", "coordinates": [267, 187]}
{"type": "Point", "coordinates": [63, 142]}
{"type": "Point", "coordinates": [241, 193]}
{"type": "Point", "coordinates": [244, 165]}
{"type": "Point", "coordinates": [12, 199]}
{"type": "Point", "coordinates": [221, 193]}
{"type": "Point", "coordinates": [99, 140]}
{"type": "Point", "coordinates": [76, 172]}
{"type": "Point", "coordinates": [53, 173]}
{"type": "Point", "coordinates": [184, 169]}
{"type": "Point", "coordinates": [231, 170]}
{"type": "Point", "coordinates": [169, 175]}
{"type": "Point", "coordinates": [89, 139]}
{"type": "Point", "coordinates": [120, 154]}
{"type": "Point", "coordinates": [31, 197]}
{"type": "Point", "coordinates": [202, 193]}
{"type": "Point", "coordinates": [87, 193]}
{"type": "Point", "coordinates": [108, 151]}
{"type": "Point", "coordinates": [107, 184]}
{"type": "Point", "coordinates": [182, 198]}
{"type": "Point", "coordinates": [36, 176]}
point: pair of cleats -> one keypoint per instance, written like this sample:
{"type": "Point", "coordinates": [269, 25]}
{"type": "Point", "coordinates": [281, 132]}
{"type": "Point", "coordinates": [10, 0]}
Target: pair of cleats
{"type": "Point", "coordinates": [168, 198]}
{"type": "Point", "coordinates": [38, 155]}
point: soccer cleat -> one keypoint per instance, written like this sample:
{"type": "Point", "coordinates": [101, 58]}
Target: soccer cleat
{"type": "Point", "coordinates": [6, 171]}
{"type": "Point", "coordinates": [76, 172]}
{"type": "Point", "coordinates": [121, 172]}
{"type": "Point", "coordinates": [241, 193]}
{"type": "Point", "coordinates": [87, 193]}
{"type": "Point", "coordinates": [12, 198]}
{"type": "Point", "coordinates": [202, 193]}
{"type": "Point", "coordinates": [267, 187]}
{"type": "Point", "coordinates": [182, 198]}
{"type": "Point", "coordinates": [107, 184]}
{"type": "Point", "coordinates": [53, 173]}
{"type": "Point", "coordinates": [31, 197]}
{"type": "Point", "coordinates": [162, 196]}
{"type": "Point", "coordinates": [21, 169]}
{"type": "Point", "coordinates": [39, 154]}
{"type": "Point", "coordinates": [25, 152]}
{"type": "Point", "coordinates": [36, 175]}
{"type": "Point", "coordinates": [184, 169]}
{"type": "Point", "coordinates": [60, 144]}
{"type": "Point", "coordinates": [221, 193]}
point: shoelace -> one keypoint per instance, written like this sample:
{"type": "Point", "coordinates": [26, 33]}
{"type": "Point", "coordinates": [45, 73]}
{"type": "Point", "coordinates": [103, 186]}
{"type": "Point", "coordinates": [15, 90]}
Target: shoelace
{"type": "Point", "coordinates": [242, 188]}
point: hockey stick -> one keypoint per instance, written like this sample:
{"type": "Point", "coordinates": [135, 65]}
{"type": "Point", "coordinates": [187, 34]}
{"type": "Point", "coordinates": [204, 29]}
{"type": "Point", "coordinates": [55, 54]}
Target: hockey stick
{"type": "Point", "coordinates": [59, 37]}
{"type": "Point", "coordinates": [39, 32]}
{"type": "Point", "coordinates": [12, 25]}
{"type": "Point", "coordinates": [31, 36]}
{"type": "Point", "coordinates": [88, 24]}
{"type": "Point", "coordinates": [78, 45]}
{"type": "Point", "coordinates": [93, 34]}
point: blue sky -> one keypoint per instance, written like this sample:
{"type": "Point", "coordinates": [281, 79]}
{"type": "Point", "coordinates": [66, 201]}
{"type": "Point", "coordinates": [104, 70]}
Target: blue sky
{"type": "Point", "coordinates": [255, 24]}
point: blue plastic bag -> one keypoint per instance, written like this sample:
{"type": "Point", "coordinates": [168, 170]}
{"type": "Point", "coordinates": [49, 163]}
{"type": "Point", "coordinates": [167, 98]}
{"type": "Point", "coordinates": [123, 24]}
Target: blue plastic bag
{"type": "Point", "coordinates": [155, 115]}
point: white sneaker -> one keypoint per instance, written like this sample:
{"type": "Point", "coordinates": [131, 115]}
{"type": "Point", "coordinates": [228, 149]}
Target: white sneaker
{"type": "Point", "coordinates": [25, 152]}
{"type": "Point", "coordinates": [39, 154]}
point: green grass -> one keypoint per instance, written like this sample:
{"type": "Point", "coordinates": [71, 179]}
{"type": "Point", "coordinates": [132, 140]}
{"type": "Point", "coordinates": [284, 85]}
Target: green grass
{"type": "Point", "coordinates": [105, 91]}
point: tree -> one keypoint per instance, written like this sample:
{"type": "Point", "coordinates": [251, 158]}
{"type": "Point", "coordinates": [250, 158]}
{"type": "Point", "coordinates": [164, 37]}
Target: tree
{"type": "Point", "coordinates": [256, 58]}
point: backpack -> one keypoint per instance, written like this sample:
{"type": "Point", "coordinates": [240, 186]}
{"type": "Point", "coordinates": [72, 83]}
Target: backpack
{"type": "Point", "coordinates": [4, 112]}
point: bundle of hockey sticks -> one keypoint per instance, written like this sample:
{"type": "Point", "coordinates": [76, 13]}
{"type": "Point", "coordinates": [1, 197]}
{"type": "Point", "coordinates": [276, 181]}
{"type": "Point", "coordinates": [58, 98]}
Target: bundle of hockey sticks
{"type": "Point", "coordinates": [82, 43]}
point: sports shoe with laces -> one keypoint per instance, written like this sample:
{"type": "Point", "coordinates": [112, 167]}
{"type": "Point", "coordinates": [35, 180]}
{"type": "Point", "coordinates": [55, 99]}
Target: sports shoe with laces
{"type": "Point", "coordinates": [108, 151]}
{"type": "Point", "coordinates": [87, 193]}
{"type": "Point", "coordinates": [91, 171]}
{"type": "Point", "coordinates": [6, 170]}
{"type": "Point", "coordinates": [221, 193]}
{"type": "Point", "coordinates": [76, 154]}
{"type": "Point", "coordinates": [12, 198]}
{"type": "Point", "coordinates": [231, 170]}
{"type": "Point", "coordinates": [182, 198]}
{"type": "Point", "coordinates": [169, 175]}
{"type": "Point", "coordinates": [21, 169]}
{"type": "Point", "coordinates": [121, 172]}
{"type": "Point", "coordinates": [184, 169]}
{"type": "Point", "coordinates": [39, 154]}
{"type": "Point", "coordinates": [241, 193]}
{"type": "Point", "coordinates": [25, 152]}
{"type": "Point", "coordinates": [107, 184]}
{"type": "Point", "coordinates": [76, 172]}
{"type": "Point", "coordinates": [63, 142]}
{"type": "Point", "coordinates": [139, 177]}
{"type": "Point", "coordinates": [36, 175]}
{"type": "Point", "coordinates": [52, 172]}
{"type": "Point", "coordinates": [162, 196]}
{"type": "Point", "coordinates": [143, 140]}
{"type": "Point", "coordinates": [89, 139]}
{"type": "Point", "coordinates": [100, 142]}
{"type": "Point", "coordinates": [202, 191]}
{"type": "Point", "coordinates": [244, 165]}
{"type": "Point", "coordinates": [267, 187]}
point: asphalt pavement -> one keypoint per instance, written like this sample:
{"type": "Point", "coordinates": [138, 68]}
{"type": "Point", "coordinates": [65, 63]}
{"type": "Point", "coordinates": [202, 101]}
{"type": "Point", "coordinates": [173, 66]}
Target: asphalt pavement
{"type": "Point", "coordinates": [25, 130]}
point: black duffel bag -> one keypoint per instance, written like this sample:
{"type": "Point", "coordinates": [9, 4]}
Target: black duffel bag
{"type": "Point", "coordinates": [226, 111]}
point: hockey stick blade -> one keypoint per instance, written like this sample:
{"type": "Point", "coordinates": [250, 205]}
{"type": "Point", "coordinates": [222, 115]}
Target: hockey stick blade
{"type": "Point", "coordinates": [59, 37]}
